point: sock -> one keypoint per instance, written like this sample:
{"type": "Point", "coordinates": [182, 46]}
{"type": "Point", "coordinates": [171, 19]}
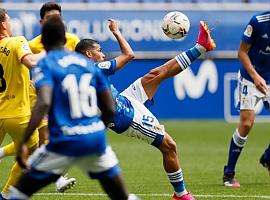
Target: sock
{"type": "Point", "coordinates": [267, 153]}
{"type": "Point", "coordinates": [177, 181]}
{"type": "Point", "coordinates": [16, 194]}
{"type": "Point", "coordinates": [14, 175]}
{"type": "Point", "coordinates": [4, 195]}
{"type": "Point", "coordinates": [9, 150]}
{"type": "Point", "coordinates": [237, 144]}
{"type": "Point", "coordinates": [2, 153]}
{"type": "Point", "coordinates": [186, 58]}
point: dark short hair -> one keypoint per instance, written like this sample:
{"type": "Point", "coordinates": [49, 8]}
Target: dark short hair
{"type": "Point", "coordinates": [53, 33]}
{"type": "Point", "coordinates": [48, 7]}
{"type": "Point", "coordinates": [85, 44]}
{"type": "Point", "coordinates": [3, 13]}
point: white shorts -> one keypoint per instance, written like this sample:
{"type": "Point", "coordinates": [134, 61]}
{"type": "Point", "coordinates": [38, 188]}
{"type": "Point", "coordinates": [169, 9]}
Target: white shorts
{"type": "Point", "coordinates": [249, 95]}
{"type": "Point", "coordinates": [50, 162]}
{"type": "Point", "coordinates": [136, 91]}
{"type": "Point", "coordinates": [145, 125]}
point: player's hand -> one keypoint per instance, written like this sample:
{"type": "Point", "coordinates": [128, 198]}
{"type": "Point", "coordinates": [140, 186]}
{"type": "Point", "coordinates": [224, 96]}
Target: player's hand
{"type": "Point", "coordinates": [22, 156]}
{"type": "Point", "coordinates": [260, 84]}
{"type": "Point", "coordinates": [113, 25]}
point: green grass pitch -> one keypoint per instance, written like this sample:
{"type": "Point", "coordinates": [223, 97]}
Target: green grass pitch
{"type": "Point", "coordinates": [202, 147]}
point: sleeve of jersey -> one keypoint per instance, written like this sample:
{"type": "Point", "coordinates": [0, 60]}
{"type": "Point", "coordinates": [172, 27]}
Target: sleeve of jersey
{"type": "Point", "coordinates": [22, 47]}
{"type": "Point", "coordinates": [42, 75]}
{"type": "Point", "coordinates": [102, 82]}
{"type": "Point", "coordinates": [250, 31]}
{"type": "Point", "coordinates": [76, 40]}
{"type": "Point", "coordinates": [107, 67]}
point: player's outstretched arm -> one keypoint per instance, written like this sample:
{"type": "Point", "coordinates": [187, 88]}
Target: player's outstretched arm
{"type": "Point", "coordinates": [32, 59]}
{"type": "Point", "coordinates": [245, 60]}
{"type": "Point", "coordinates": [127, 53]}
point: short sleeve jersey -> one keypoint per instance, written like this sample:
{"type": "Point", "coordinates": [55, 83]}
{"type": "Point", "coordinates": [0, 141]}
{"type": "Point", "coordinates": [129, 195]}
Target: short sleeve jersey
{"type": "Point", "coordinates": [14, 76]}
{"type": "Point", "coordinates": [36, 45]}
{"type": "Point", "coordinates": [74, 122]}
{"type": "Point", "coordinates": [124, 110]}
{"type": "Point", "coordinates": [257, 34]}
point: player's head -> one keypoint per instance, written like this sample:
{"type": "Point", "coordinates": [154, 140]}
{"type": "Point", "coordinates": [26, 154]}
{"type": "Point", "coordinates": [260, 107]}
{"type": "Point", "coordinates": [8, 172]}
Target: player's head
{"type": "Point", "coordinates": [5, 28]}
{"type": "Point", "coordinates": [91, 49]}
{"type": "Point", "coordinates": [47, 9]}
{"type": "Point", "coordinates": [53, 33]}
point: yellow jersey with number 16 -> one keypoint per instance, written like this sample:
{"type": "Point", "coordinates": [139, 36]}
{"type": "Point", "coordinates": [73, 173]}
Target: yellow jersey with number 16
{"type": "Point", "coordinates": [14, 78]}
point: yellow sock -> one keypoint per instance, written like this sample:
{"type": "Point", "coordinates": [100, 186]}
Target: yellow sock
{"type": "Point", "coordinates": [14, 176]}
{"type": "Point", "coordinates": [9, 150]}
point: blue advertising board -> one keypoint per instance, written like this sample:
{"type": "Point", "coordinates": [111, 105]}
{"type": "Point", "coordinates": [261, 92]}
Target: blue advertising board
{"type": "Point", "coordinates": [206, 90]}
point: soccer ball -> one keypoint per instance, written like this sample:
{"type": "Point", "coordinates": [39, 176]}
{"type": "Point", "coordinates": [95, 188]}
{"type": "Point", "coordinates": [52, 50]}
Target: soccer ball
{"type": "Point", "coordinates": [175, 25]}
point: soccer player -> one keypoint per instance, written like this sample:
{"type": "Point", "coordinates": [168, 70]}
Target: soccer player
{"type": "Point", "coordinates": [132, 118]}
{"type": "Point", "coordinates": [47, 9]}
{"type": "Point", "coordinates": [69, 88]}
{"type": "Point", "coordinates": [15, 57]}
{"type": "Point", "coordinates": [254, 86]}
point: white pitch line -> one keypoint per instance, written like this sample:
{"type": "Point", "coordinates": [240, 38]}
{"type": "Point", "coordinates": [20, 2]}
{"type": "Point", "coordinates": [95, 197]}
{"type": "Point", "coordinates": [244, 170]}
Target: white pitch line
{"type": "Point", "coordinates": [159, 195]}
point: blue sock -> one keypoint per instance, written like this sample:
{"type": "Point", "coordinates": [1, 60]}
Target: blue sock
{"type": "Point", "coordinates": [237, 144]}
{"type": "Point", "coordinates": [186, 58]}
{"type": "Point", "coordinates": [267, 153]}
{"type": "Point", "coordinates": [177, 181]}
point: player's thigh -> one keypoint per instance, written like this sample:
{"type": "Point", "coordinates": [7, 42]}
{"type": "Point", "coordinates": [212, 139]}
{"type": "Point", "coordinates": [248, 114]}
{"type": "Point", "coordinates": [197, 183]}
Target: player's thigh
{"type": "Point", "coordinates": [249, 95]}
{"type": "Point", "coordinates": [16, 128]}
{"type": "Point", "coordinates": [99, 166]}
{"type": "Point", "coordinates": [145, 125]}
{"type": "Point", "coordinates": [49, 162]}
{"type": "Point", "coordinates": [136, 91]}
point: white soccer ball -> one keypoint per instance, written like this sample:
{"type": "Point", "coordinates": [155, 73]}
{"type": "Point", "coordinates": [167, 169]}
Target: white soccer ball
{"type": "Point", "coordinates": [175, 25]}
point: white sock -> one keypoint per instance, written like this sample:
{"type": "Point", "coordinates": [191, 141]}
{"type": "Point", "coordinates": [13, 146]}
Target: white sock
{"type": "Point", "coordinates": [1, 153]}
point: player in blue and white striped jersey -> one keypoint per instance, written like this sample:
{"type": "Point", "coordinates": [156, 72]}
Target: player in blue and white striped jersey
{"type": "Point", "coordinates": [132, 117]}
{"type": "Point", "coordinates": [254, 86]}
{"type": "Point", "coordinates": [72, 90]}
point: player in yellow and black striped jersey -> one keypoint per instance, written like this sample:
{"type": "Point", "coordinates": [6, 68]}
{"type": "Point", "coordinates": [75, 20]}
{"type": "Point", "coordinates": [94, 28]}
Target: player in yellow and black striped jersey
{"type": "Point", "coordinates": [15, 57]}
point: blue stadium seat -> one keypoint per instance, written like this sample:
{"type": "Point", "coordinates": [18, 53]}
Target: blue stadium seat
{"type": "Point", "coordinates": [72, 1]}
{"type": "Point", "coordinates": [259, 1]}
{"type": "Point", "coordinates": [101, 1]}
{"type": "Point", "coordinates": [44, 1]}
{"type": "Point", "coordinates": [15, 1]}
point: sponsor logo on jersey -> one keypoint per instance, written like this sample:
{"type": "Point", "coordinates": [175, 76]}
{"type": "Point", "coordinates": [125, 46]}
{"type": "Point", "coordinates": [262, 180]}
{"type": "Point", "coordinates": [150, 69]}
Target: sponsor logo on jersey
{"type": "Point", "coordinates": [25, 47]}
{"type": "Point", "coordinates": [248, 31]}
{"type": "Point", "coordinates": [104, 65]}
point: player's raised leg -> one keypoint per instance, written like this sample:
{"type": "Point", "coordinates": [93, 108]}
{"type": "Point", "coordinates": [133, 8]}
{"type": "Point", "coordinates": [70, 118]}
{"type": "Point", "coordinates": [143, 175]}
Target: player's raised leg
{"type": "Point", "coordinates": [154, 78]}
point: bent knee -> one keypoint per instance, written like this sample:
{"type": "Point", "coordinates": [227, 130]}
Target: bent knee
{"type": "Point", "coordinates": [168, 145]}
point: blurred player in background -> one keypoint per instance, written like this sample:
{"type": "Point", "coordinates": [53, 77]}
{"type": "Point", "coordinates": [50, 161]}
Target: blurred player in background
{"type": "Point", "coordinates": [47, 9]}
{"type": "Point", "coordinates": [132, 117]}
{"type": "Point", "coordinates": [15, 57]}
{"type": "Point", "coordinates": [254, 86]}
{"type": "Point", "coordinates": [69, 88]}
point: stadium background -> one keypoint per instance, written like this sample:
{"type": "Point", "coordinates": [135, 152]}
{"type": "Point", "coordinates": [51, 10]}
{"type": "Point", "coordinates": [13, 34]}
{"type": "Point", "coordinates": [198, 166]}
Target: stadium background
{"type": "Point", "coordinates": [203, 95]}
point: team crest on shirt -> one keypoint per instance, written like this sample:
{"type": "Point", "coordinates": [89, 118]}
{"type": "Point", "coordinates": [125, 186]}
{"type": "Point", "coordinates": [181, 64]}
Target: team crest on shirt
{"type": "Point", "coordinates": [25, 47]}
{"type": "Point", "coordinates": [248, 31]}
{"type": "Point", "coordinates": [104, 65]}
